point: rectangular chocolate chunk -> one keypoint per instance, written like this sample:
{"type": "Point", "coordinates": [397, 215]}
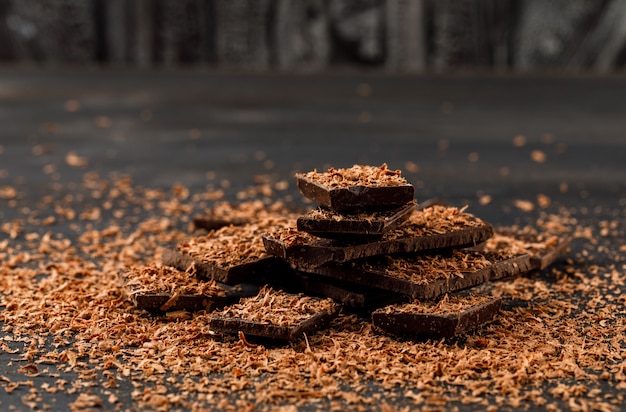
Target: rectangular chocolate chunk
{"type": "Point", "coordinates": [544, 248]}
{"type": "Point", "coordinates": [231, 255]}
{"type": "Point", "coordinates": [161, 288]}
{"type": "Point", "coordinates": [358, 187]}
{"type": "Point", "coordinates": [323, 222]}
{"type": "Point", "coordinates": [433, 228]}
{"type": "Point", "coordinates": [347, 294]}
{"type": "Point", "coordinates": [426, 276]}
{"type": "Point", "coordinates": [237, 214]}
{"type": "Point", "coordinates": [452, 316]}
{"type": "Point", "coordinates": [275, 314]}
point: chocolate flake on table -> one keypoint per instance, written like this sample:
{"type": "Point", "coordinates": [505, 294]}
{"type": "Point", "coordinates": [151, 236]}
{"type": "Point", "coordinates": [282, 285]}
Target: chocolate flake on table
{"type": "Point", "coordinates": [231, 255]}
{"type": "Point", "coordinates": [429, 229]}
{"type": "Point", "coordinates": [275, 314]}
{"type": "Point", "coordinates": [161, 288]}
{"type": "Point", "coordinates": [426, 276]}
{"type": "Point", "coordinates": [323, 222]}
{"type": "Point", "coordinates": [358, 187]}
{"type": "Point", "coordinates": [237, 214]}
{"type": "Point", "coordinates": [451, 316]}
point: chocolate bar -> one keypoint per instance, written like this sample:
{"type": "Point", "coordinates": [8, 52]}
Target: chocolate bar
{"type": "Point", "coordinates": [452, 316]}
{"type": "Point", "coordinates": [426, 276]}
{"type": "Point", "coordinates": [358, 187]}
{"type": "Point", "coordinates": [276, 315]}
{"type": "Point", "coordinates": [437, 227]}
{"type": "Point", "coordinates": [161, 288]}
{"type": "Point", "coordinates": [543, 248]}
{"type": "Point", "coordinates": [226, 214]}
{"type": "Point", "coordinates": [231, 255]}
{"type": "Point", "coordinates": [230, 273]}
{"type": "Point", "coordinates": [348, 295]}
{"type": "Point", "coordinates": [326, 223]}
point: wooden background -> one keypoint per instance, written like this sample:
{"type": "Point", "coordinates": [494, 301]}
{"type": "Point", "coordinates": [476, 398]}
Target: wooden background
{"type": "Point", "coordinates": [390, 35]}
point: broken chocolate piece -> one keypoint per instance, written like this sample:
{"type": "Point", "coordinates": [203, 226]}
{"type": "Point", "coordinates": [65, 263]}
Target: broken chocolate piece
{"type": "Point", "coordinates": [432, 228]}
{"type": "Point", "coordinates": [358, 187]}
{"type": "Point", "coordinates": [543, 248]}
{"type": "Point", "coordinates": [231, 255]}
{"type": "Point", "coordinates": [426, 276]}
{"type": "Point", "coordinates": [347, 294]}
{"type": "Point", "coordinates": [275, 315]}
{"type": "Point", "coordinates": [452, 316]}
{"type": "Point", "coordinates": [230, 274]}
{"type": "Point", "coordinates": [161, 288]}
{"type": "Point", "coordinates": [326, 223]}
{"type": "Point", "coordinates": [226, 213]}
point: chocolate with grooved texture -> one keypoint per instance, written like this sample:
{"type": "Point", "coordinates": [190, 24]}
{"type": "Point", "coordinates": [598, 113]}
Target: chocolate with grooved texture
{"type": "Point", "coordinates": [314, 252]}
{"type": "Point", "coordinates": [433, 324]}
{"type": "Point", "coordinates": [378, 274]}
{"type": "Point", "coordinates": [231, 275]}
{"type": "Point", "coordinates": [355, 197]}
{"type": "Point", "coordinates": [229, 325]}
{"type": "Point", "coordinates": [324, 222]}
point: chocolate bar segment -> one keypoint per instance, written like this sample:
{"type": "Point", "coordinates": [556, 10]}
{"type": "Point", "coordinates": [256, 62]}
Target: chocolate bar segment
{"type": "Point", "coordinates": [238, 214]}
{"type": "Point", "coordinates": [230, 274]}
{"type": "Point", "coordinates": [452, 316]}
{"type": "Point", "coordinates": [326, 223]}
{"type": "Point", "coordinates": [231, 255]}
{"type": "Point", "coordinates": [544, 248]}
{"type": "Point", "coordinates": [426, 276]}
{"type": "Point", "coordinates": [347, 294]}
{"type": "Point", "coordinates": [432, 228]}
{"type": "Point", "coordinates": [275, 314]}
{"type": "Point", "coordinates": [162, 288]}
{"type": "Point", "coordinates": [358, 187]}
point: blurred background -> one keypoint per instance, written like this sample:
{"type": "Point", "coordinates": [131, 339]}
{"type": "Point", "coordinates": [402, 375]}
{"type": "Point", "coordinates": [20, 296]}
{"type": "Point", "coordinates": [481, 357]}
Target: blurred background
{"type": "Point", "coordinates": [270, 35]}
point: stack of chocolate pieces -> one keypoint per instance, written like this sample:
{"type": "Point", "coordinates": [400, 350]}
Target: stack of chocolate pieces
{"type": "Point", "coordinates": [368, 246]}
{"type": "Point", "coordinates": [368, 237]}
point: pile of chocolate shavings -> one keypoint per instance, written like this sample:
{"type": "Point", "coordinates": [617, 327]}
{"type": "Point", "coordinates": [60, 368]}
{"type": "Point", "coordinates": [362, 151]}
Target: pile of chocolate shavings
{"type": "Point", "coordinates": [358, 175]}
{"type": "Point", "coordinates": [277, 307]}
